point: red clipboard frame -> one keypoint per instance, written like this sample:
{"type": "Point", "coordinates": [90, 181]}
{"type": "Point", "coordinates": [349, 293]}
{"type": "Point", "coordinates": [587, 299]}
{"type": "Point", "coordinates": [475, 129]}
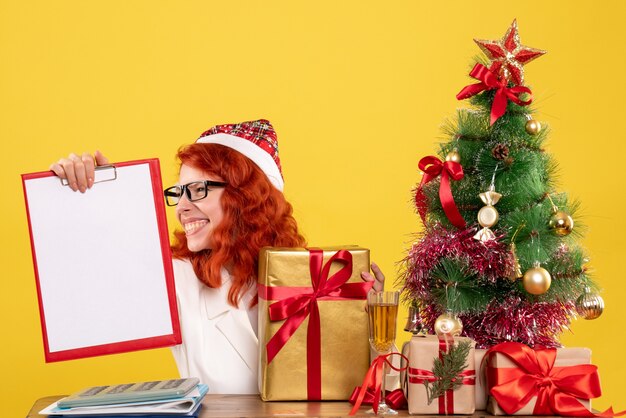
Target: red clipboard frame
{"type": "Point", "coordinates": [122, 346]}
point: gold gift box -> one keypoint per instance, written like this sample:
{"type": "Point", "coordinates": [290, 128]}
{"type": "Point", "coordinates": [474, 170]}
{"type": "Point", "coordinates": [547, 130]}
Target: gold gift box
{"type": "Point", "coordinates": [564, 357]}
{"type": "Point", "coordinates": [423, 350]}
{"type": "Point", "coordinates": [343, 327]}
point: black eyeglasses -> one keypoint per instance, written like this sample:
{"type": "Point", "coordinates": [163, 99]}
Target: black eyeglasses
{"type": "Point", "coordinates": [196, 190]}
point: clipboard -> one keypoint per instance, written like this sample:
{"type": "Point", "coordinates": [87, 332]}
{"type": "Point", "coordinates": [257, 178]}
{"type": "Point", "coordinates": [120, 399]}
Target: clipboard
{"type": "Point", "coordinates": [102, 262]}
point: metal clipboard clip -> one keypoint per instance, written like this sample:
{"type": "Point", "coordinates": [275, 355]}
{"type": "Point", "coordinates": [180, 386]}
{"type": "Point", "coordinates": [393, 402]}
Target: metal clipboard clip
{"type": "Point", "coordinates": [102, 173]}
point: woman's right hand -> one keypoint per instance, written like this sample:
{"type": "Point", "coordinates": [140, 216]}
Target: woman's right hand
{"type": "Point", "coordinates": [79, 170]}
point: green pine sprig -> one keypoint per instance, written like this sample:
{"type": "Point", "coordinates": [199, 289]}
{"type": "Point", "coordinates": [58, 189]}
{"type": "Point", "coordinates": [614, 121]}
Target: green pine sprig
{"type": "Point", "coordinates": [456, 288]}
{"type": "Point", "coordinates": [447, 371]}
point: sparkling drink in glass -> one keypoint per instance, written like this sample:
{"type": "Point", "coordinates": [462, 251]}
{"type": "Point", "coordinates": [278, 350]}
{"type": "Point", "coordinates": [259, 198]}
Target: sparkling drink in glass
{"type": "Point", "coordinates": [383, 323]}
{"type": "Point", "coordinates": [382, 308]}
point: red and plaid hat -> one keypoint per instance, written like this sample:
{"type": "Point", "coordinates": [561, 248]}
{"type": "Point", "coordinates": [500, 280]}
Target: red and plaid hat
{"type": "Point", "coordinates": [256, 140]}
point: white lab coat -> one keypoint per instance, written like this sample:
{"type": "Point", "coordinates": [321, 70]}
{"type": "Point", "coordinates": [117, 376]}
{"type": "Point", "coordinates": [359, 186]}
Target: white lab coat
{"type": "Point", "coordinates": [219, 341]}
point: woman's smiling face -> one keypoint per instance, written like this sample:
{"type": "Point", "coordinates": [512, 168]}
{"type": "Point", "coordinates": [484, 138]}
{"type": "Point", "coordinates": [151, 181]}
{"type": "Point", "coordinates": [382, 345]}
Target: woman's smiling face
{"type": "Point", "coordinates": [200, 218]}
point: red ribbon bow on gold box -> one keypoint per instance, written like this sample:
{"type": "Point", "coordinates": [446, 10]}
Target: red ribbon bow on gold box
{"type": "Point", "coordinates": [295, 304]}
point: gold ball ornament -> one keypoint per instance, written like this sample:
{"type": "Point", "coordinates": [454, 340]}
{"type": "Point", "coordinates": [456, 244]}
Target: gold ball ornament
{"type": "Point", "coordinates": [589, 305]}
{"type": "Point", "coordinates": [536, 280]}
{"type": "Point", "coordinates": [561, 223]}
{"type": "Point", "coordinates": [533, 127]}
{"type": "Point", "coordinates": [454, 156]}
{"type": "Point", "coordinates": [448, 323]}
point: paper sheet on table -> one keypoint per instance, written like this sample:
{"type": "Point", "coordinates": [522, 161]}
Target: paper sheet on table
{"type": "Point", "coordinates": [182, 405]}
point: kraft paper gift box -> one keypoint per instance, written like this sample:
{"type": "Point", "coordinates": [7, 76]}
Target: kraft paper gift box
{"type": "Point", "coordinates": [565, 357]}
{"type": "Point", "coordinates": [482, 392]}
{"type": "Point", "coordinates": [423, 351]}
{"type": "Point", "coordinates": [312, 348]}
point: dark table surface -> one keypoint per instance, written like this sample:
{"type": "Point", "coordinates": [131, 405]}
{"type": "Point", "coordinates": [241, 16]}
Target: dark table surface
{"type": "Point", "coordinates": [252, 406]}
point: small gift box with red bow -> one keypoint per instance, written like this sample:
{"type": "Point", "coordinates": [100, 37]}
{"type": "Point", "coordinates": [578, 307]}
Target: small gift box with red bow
{"type": "Point", "coordinates": [526, 381]}
{"type": "Point", "coordinates": [313, 336]}
{"type": "Point", "coordinates": [441, 375]}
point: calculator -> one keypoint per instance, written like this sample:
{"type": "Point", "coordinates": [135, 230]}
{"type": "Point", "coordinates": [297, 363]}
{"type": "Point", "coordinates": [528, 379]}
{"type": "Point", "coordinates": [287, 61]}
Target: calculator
{"type": "Point", "coordinates": [130, 392]}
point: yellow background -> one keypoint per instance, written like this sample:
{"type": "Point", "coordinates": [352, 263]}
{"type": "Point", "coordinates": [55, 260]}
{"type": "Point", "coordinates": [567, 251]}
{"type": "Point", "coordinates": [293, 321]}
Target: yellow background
{"type": "Point", "coordinates": [357, 91]}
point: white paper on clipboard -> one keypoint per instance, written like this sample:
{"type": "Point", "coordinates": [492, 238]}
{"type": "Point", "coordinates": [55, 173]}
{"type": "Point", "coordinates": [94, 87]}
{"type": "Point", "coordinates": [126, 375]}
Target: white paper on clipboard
{"type": "Point", "coordinates": [102, 262]}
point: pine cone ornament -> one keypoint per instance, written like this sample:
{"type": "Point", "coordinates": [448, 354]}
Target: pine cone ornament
{"type": "Point", "coordinates": [500, 152]}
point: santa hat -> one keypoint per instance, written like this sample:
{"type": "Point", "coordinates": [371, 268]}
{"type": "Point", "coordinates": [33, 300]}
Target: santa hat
{"type": "Point", "coordinates": [254, 139]}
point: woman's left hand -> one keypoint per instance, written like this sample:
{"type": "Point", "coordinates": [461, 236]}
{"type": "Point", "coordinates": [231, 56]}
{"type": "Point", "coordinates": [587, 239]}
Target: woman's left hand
{"type": "Point", "coordinates": [378, 278]}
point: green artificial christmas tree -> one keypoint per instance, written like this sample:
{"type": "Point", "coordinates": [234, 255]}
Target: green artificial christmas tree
{"type": "Point", "coordinates": [499, 256]}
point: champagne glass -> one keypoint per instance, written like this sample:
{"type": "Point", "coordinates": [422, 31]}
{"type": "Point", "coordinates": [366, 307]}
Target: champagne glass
{"type": "Point", "coordinates": [382, 308]}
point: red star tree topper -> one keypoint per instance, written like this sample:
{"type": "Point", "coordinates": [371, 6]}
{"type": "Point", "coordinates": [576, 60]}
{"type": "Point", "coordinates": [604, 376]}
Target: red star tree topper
{"type": "Point", "coordinates": [508, 55]}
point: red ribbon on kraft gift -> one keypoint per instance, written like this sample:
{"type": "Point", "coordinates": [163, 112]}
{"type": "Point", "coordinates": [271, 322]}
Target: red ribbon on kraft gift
{"type": "Point", "coordinates": [556, 388]}
{"type": "Point", "coordinates": [369, 391]}
{"type": "Point", "coordinates": [432, 168]}
{"type": "Point", "coordinates": [295, 304]}
{"type": "Point", "coordinates": [489, 81]}
{"type": "Point", "coordinates": [419, 376]}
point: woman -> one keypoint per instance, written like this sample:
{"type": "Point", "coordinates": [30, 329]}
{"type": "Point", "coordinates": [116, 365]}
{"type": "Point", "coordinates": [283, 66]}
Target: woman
{"type": "Point", "coordinates": [229, 202]}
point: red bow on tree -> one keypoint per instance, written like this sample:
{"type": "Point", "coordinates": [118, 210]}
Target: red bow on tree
{"type": "Point", "coordinates": [433, 167]}
{"type": "Point", "coordinates": [489, 81]}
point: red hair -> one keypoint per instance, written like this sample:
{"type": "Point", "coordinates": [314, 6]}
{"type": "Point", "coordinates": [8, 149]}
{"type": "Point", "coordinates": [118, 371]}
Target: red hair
{"type": "Point", "coordinates": [256, 214]}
